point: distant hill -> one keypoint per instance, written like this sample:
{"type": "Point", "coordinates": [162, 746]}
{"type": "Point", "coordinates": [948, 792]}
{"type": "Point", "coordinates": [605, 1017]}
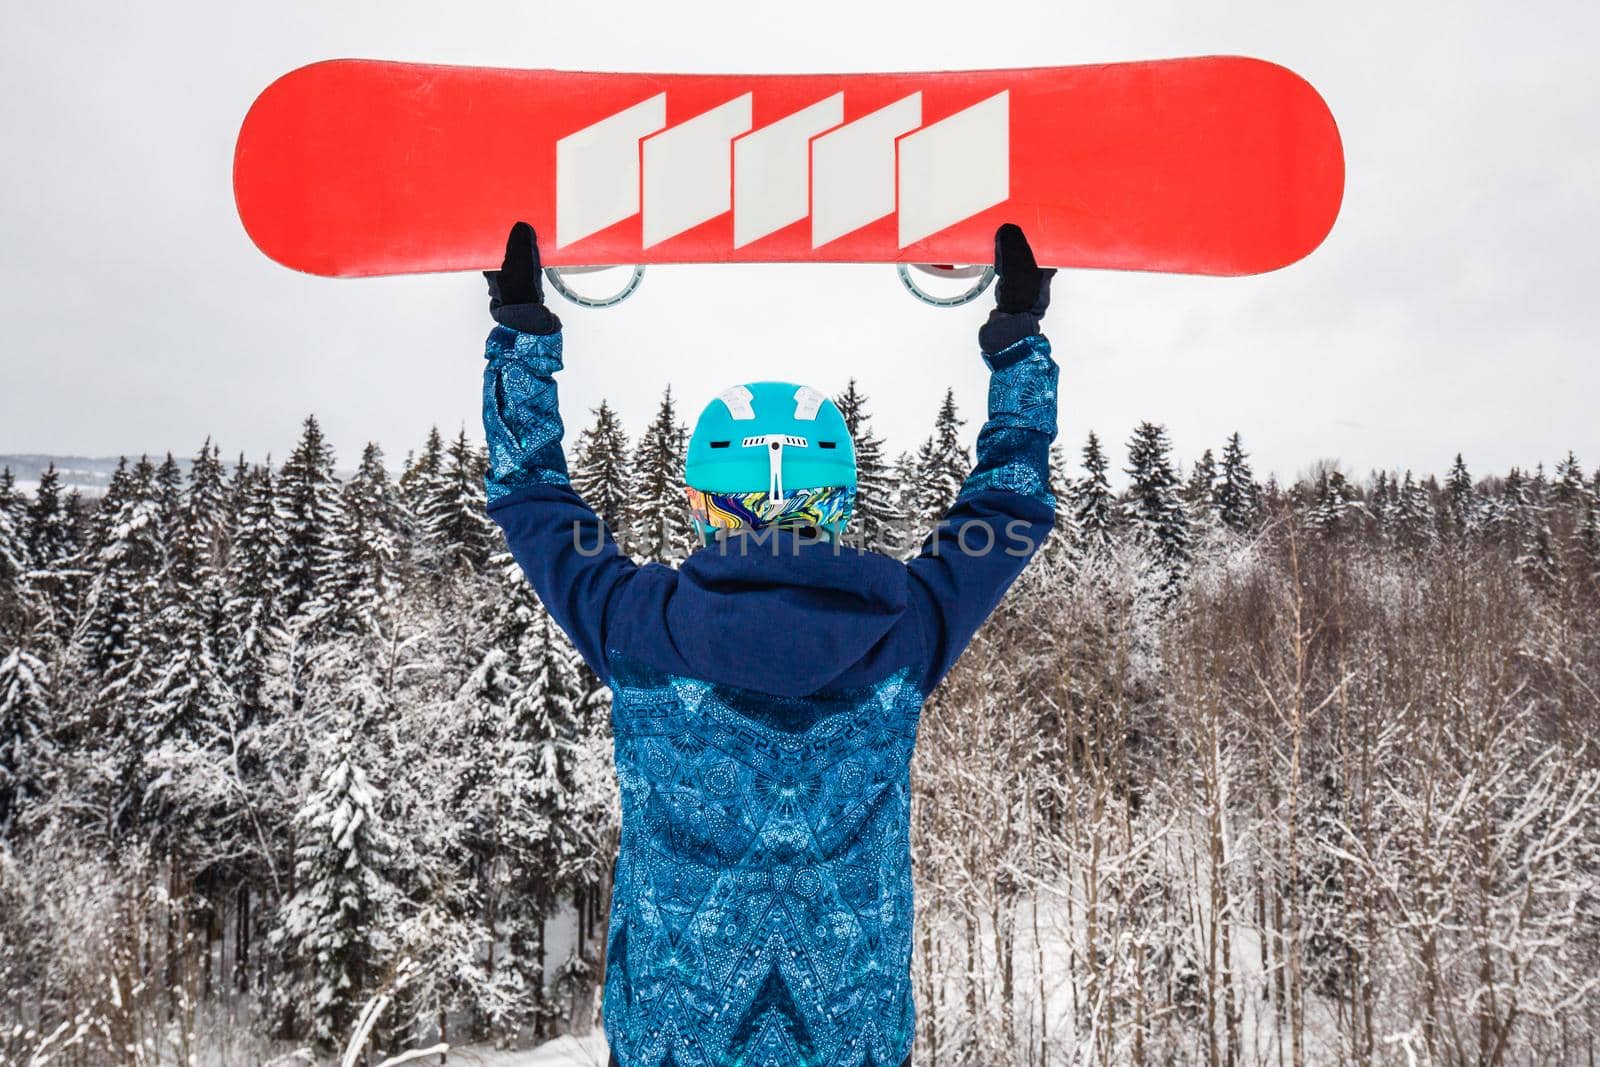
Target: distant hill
{"type": "Point", "coordinates": [88, 474]}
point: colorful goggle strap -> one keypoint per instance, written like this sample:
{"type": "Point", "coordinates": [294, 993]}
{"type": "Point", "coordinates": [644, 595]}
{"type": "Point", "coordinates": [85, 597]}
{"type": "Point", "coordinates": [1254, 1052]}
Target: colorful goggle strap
{"type": "Point", "coordinates": [827, 507]}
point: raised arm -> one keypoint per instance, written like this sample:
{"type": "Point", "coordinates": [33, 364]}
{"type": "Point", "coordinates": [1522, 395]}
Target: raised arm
{"type": "Point", "coordinates": [1005, 509]}
{"type": "Point", "coordinates": [562, 546]}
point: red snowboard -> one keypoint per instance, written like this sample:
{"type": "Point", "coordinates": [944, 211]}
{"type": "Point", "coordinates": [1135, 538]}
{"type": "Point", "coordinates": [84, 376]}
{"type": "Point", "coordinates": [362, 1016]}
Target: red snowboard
{"type": "Point", "coordinates": [1214, 165]}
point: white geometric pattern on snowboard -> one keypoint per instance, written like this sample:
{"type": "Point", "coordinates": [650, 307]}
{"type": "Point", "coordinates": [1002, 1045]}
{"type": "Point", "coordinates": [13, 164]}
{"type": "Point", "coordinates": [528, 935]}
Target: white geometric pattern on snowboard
{"type": "Point", "coordinates": [687, 171]}
{"type": "Point", "coordinates": [954, 168]}
{"type": "Point", "coordinates": [853, 170]}
{"type": "Point", "coordinates": [597, 170]}
{"type": "Point", "coordinates": [772, 170]}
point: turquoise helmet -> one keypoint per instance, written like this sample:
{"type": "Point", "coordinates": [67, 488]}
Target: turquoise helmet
{"type": "Point", "coordinates": [770, 454]}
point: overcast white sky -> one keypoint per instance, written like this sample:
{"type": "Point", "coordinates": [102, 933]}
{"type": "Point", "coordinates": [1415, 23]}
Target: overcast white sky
{"type": "Point", "coordinates": [1453, 307]}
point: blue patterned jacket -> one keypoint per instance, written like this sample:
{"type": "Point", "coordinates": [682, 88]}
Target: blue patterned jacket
{"type": "Point", "coordinates": [764, 711]}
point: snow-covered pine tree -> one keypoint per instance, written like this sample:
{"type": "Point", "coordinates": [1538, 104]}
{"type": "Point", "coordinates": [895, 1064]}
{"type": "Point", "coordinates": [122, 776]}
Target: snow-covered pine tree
{"type": "Point", "coordinates": [1065, 534]}
{"type": "Point", "coordinates": [13, 559]}
{"type": "Point", "coordinates": [1383, 506]}
{"type": "Point", "coordinates": [1489, 503]}
{"type": "Point", "coordinates": [1539, 487]}
{"type": "Point", "coordinates": [254, 644]}
{"type": "Point", "coordinates": [1093, 514]}
{"type": "Point", "coordinates": [1337, 507]}
{"type": "Point", "coordinates": [1536, 551]}
{"type": "Point", "coordinates": [455, 526]}
{"type": "Point", "coordinates": [1568, 488]}
{"type": "Point", "coordinates": [117, 490]}
{"type": "Point", "coordinates": [943, 463]}
{"type": "Point", "coordinates": [658, 519]}
{"type": "Point", "coordinates": [1060, 482]}
{"type": "Point", "coordinates": [449, 841]}
{"type": "Point", "coordinates": [207, 502]}
{"type": "Point", "coordinates": [503, 824]}
{"type": "Point", "coordinates": [1463, 510]}
{"type": "Point", "coordinates": [57, 568]}
{"type": "Point", "coordinates": [1152, 509]}
{"type": "Point", "coordinates": [184, 731]}
{"type": "Point", "coordinates": [556, 834]}
{"type": "Point", "coordinates": [576, 794]}
{"type": "Point", "coordinates": [1594, 505]}
{"type": "Point", "coordinates": [1538, 556]}
{"type": "Point", "coordinates": [238, 490]}
{"type": "Point", "coordinates": [118, 487]}
{"type": "Point", "coordinates": [120, 637]}
{"type": "Point", "coordinates": [908, 531]}
{"type": "Point", "coordinates": [1586, 542]}
{"type": "Point", "coordinates": [600, 472]}
{"type": "Point", "coordinates": [873, 525]}
{"type": "Point", "coordinates": [186, 724]}
{"type": "Point", "coordinates": [336, 928]}
{"type": "Point", "coordinates": [128, 560]}
{"type": "Point", "coordinates": [1236, 496]}
{"type": "Point", "coordinates": [78, 516]}
{"type": "Point", "coordinates": [50, 535]}
{"type": "Point", "coordinates": [254, 585]}
{"type": "Point", "coordinates": [1511, 510]}
{"type": "Point", "coordinates": [13, 503]}
{"type": "Point", "coordinates": [13, 512]}
{"type": "Point", "coordinates": [308, 506]}
{"type": "Point", "coordinates": [925, 502]}
{"type": "Point", "coordinates": [551, 711]}
{"type": "Point", "coordinates": [1200, 490]}
{"type": "Point", "coordinates": [422, 471]}
{"type": "Point", "coordinates": [369, 545]}
{"type": "Point", "coordinates": [1269, 501]}
{"type": "Point", "coordinates": [198, 548]}
{"type": "Point", "coordinates": [192, 587]}
{"type": "Point", "coordinates": [24, 734]}
{"type": "Point", "coordinates": [1413, 523]}
{"type": "Point", "coordinates": [169, 494]}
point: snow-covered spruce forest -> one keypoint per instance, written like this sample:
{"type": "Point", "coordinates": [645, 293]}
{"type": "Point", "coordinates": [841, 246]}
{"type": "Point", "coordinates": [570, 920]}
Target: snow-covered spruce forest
{"type": "Point", "coordinates": [1240, 773]}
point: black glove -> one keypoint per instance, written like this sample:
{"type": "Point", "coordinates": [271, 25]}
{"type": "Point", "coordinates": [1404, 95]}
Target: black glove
{"type": "Point", "coordinates": [1021, 294]}
{"type": "Point", "coordinates": [516, 290]}
{"type": "Point", "coordinates": [1022, 285]}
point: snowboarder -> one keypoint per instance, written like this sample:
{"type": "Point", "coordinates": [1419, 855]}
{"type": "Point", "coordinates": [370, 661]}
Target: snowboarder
{"type": "Point", "coordinates": [766, 693]}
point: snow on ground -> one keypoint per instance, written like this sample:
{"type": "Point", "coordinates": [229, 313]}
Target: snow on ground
{"type": "Point", "coordinates": [588, 1051]}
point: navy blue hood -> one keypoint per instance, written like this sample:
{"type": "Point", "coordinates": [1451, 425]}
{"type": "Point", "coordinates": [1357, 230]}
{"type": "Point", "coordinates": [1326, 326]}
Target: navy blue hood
{"type": "Point", "coordinates": [788, 615]}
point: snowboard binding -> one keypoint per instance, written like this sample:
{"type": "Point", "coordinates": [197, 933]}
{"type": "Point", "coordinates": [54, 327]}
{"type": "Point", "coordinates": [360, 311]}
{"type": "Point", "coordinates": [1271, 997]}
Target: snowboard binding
{"type": "Point", "coordinates": [556, 276]}
{"type": "Point", "coordinates": [984, 276]}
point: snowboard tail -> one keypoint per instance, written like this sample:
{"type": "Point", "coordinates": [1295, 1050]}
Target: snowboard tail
{"type": "Point", "coordinates": [1212, 165]}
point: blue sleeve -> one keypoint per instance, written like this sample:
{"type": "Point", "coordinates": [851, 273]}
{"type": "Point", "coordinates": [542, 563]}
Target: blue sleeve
{"type": "Point", "coordinates": [563, 547]}
{"type": "Point", "coordinates": [1003, 513]}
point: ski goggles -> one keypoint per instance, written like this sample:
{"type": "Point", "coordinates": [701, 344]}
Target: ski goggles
{"type": "Point", "coordinates": [827, 508]}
